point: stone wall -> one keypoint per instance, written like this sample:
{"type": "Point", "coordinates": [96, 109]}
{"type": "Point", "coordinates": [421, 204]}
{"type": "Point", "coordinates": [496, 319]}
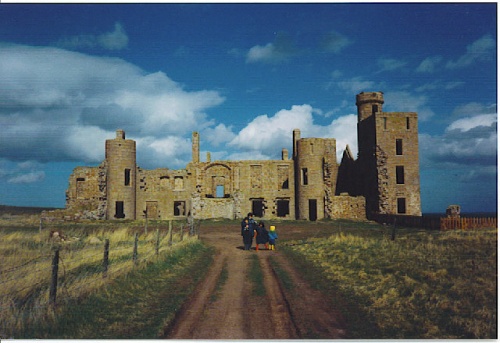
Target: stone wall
{"type": "Point", "coordinates": [348, 207]}
{"type": "Point", "coordinates": [307, 186]}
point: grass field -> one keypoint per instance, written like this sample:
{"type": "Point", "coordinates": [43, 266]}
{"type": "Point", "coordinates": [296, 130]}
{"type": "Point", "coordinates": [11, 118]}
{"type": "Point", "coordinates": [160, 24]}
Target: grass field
{"type": "Point", "coordinates": [419, 285]}
{"type": "Point", "coordinates": [25, 274]}
{"type": "Point", "coordinates": [422, 284]}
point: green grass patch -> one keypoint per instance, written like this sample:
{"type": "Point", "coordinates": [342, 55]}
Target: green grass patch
{"type": "Point", "coordinates": [256, 277]}
{"type": "Point", "coordinates": [138, 305]}
{"type": "Point", "coordinates": [424, 284]}
{"type": "Point", "coordinates": [282, 275]}
{"type": "Point", "coordinates": [220, 282]}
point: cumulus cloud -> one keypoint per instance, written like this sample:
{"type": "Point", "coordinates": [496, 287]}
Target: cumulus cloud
{"type": "Point", "coordinates": [482, 49]}
{"type": "Point", "coordinates": [59, 105]}
{"type": "Point", "coordinates": [468, 124]}
{"type": "Point", "coordinates": [469, 141]}
{"type": "Point", "coordinates": [278, 51]}
{"type": "Point", "coordinates": [114, 40]}
{"type": "Point", "coordinates": [266, 136]}
{"type": "Point", "coordinates": [218, 135]}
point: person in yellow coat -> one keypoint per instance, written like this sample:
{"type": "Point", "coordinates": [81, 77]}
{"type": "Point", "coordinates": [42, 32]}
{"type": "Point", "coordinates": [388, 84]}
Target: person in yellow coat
{"type": "Point", "coordinates": [273, 237]}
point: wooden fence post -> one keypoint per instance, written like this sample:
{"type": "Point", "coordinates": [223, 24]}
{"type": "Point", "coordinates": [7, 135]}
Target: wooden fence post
{"type": "Point", "coordinates": [105, 261]}
{"type": "Point", "coordinates": [53, 283]}
{"type": "Point", "coordinates": [393, 235]}
{"type": "Point", "coordinates": [136, 240]}
{"type": "Point", "coordinates": [170, 233]}
{"type": "Point", "coordinates": [157, 241]}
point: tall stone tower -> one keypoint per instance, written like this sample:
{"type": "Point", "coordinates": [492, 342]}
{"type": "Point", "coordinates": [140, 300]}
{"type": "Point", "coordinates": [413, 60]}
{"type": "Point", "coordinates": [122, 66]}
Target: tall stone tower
{"type": "Point", "coordinates": [315, 175]}
{"type": "Point", "coordinates": [195, 147]}
{"type": "Point", "coordinates": [388, 160]}
{"type": "Point", "coordinates": [121, 177]}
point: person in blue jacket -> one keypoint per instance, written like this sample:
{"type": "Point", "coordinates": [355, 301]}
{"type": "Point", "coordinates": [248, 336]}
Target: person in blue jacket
{"type": "Point", "coordinates": [247, 233]}
{"type": "Point", "coordinates": [273, 237]}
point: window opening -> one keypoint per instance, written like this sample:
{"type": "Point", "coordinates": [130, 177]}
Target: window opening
{"type": "Point", "coordinates": [127, 177]}
{"type": "Point", "coordinates": [305, 179]}
{"type": "Point", "coordinates": [283, 207]}
{"type": "Point", "coordinates": [258, 208]}
{"type": "Point", "coordinates": [219, 191]}
{"type": "Point", "coordinates": [80, 187]}
{"type": "Point", "coordinates": [284, 185]}
{"type": "Point", "coordinates": [179, 208]}
{"type": "Point", "coordinates": [385, 123]}
{"type": "Point", "coordinates": [407, 123]}
{"type": "Point", "coordinates": [313, 212]}
{"type": "Point", "coordinates": [119, 212]}
{"type": "Point", "coordinates": [374, 109]}
{"type": "Point", "coordinates": [400, 175]}
{"type": "Point", "coordinates": [399, 147]}
{"type": "Point", "coordinates": [401, 205]}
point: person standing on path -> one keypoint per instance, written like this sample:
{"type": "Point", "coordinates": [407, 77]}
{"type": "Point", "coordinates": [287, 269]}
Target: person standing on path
{"type": "Point", "coordinates": [262, 236]}
{"type": "Point", "coordinates": [247, 233]}
{"type": "Point", "coordinates": [273, 236]}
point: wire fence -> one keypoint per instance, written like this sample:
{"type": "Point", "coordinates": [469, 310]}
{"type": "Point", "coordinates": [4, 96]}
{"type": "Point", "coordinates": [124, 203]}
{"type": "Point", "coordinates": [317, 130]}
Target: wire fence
{"type": "Point", "coordinates": [73, 269]}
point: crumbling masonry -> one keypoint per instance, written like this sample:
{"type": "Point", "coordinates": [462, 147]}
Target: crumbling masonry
{"type": "Point", "coordinates": [310, 185]}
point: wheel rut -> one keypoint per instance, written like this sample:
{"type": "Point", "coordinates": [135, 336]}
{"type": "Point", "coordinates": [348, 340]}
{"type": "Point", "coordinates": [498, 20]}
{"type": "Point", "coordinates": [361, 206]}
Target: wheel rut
{"type": "Point", "coordinates": [229, 309]}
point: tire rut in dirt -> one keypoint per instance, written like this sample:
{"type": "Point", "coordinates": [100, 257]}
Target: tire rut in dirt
{"type": "Point", "coordinates": [189, 315]}
{"type": "Point", "coordinates": [313, 313]}
{"type": "Point", "coordinates": [282, 322]}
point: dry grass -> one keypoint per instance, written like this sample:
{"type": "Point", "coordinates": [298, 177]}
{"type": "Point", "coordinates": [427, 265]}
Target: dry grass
{"type": "Point", "coordinates": [27, 253]}
{"type": "Point", "coordinates": [439, 285]}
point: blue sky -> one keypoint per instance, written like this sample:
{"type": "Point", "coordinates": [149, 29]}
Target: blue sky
{"type": "Point", "coordinates": [244, 76]}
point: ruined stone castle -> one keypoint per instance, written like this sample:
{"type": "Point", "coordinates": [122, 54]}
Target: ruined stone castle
{"type": "Point", "coordinates": [310, 184]}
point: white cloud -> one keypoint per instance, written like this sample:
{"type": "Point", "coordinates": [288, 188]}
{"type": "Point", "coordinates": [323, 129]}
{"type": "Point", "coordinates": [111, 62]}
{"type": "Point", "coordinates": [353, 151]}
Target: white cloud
{"type": "Point", "coordinates": [266, 136]}
{"type": "Point", "coordinates": [171, 151]}
{"type": "Point", "coordinates": [30, 177]}
{"type": "Point", "coordinates": [469, 141]}
{"type": "Point", "coordinates": [467, 124]}
{"type": "Point", "coordinates": [59, 105]}
{"type": "Point", "coordinates": [114, 40]}
{"type": "Point", "coordinates": [218, 135]}
{"type": "Point", "coordinates": [278, 51]}
{"type": "Point", "coordinates": [482, 49]}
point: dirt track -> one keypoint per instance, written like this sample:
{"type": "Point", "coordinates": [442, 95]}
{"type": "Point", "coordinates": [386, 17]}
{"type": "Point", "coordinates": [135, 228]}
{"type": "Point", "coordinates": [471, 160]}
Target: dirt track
{"type": "Point", "coordinates": [232, 312]}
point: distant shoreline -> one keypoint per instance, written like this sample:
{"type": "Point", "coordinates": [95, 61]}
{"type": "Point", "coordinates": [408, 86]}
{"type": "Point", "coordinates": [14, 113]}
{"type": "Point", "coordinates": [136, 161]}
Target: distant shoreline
{"type": "Point", "coordinates": [17, 210]}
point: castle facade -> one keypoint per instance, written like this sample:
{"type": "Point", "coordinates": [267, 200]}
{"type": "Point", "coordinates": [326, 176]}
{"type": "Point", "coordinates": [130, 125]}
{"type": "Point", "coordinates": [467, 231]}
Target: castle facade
{"type": "Point", "coordinates": [310, 184]}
